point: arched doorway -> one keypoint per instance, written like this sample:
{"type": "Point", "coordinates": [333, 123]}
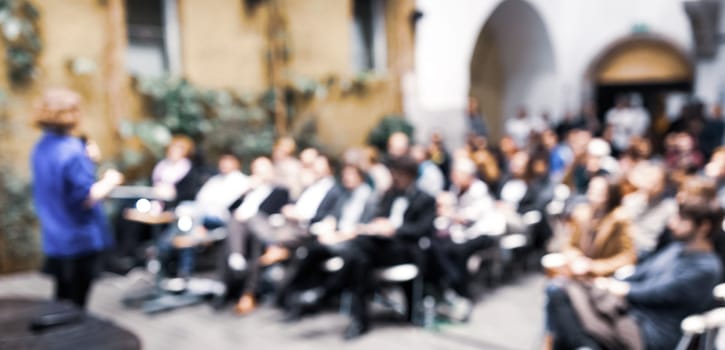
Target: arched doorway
{"type": "Point", "coordinates": [513, 64]}
{"type": "Point", "coordinates": [646, 66]}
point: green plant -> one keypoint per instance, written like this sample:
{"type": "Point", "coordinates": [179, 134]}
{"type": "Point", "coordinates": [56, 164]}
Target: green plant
{"type": "Point", "coordinates": [19, 246]}
{"type": "Point", "coordinates": [379, 135]}
{"type": "Point", "coordinates": [19, 24]}
{"type": "Point", "coordinates": [218, 120]}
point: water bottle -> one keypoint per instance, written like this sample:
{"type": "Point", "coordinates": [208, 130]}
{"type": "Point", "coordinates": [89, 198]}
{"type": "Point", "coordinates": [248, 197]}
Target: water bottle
{"type": "Point", "coordinates": [429, 313]}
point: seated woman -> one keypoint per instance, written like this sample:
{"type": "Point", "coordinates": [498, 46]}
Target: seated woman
{"type": "Point", "coordinates": [601, 238]}
{"type": "Point", "coordinates": [526, 188]}
{"type": "Point", "coordinates": [175, 178]}
{"type": "Point", "coordinates": [645, 310]}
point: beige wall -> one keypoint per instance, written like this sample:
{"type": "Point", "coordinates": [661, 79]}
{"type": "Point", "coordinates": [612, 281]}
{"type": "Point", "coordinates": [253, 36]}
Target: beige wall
{"type": "Point", "coordinates": [320, 36]}
{"type": "Point", "coordinates": [68, 29]}
{"type": "Point", "coordinates": [321, 41]}
{"type": "Point", "coordinates": [222, 46]}
{"type": "Point", "coordinates": [344, 120]}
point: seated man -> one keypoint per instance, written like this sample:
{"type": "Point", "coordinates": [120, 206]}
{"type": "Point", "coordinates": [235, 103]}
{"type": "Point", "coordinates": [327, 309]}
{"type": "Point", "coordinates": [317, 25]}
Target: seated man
{"type": "Point", "coordinates": [468, 218]}
{"type": "Point", "coordinates": [645, 310]}
{"type": "Point", "coordinates": [306, 285]}
{"type": "Point", "coordinates": [263, 199]}
{"type": "Point", "coordinates": [276, 238]}
{"type": "Point", "coordinates": [404, 215]}
{"type": "Point", "coordinates": [209, 211]}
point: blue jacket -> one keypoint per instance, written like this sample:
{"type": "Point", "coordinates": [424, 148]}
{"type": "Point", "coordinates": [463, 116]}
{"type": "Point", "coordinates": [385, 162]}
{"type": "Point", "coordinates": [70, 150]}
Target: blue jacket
{"type": "Point", "coordinates": [62, 178]}
{"type": "Point", "coordinates": [668, 287]}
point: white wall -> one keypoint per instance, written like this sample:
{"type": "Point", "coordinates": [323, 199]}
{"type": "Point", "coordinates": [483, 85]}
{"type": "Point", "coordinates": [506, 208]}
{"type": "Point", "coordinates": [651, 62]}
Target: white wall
{"type": "Point", "coordinates": [579, 32]}
{"type": "Point", "coordinates": [710, 75]}
{"type": "Point", "coordinates": [528, 58]}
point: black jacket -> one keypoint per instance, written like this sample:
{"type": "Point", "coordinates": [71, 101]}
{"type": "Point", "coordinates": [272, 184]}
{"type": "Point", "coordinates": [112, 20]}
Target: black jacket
{"type": "Point", "coordinates": [329, 204]}
{"type": "Point", "coordinates": [418, 218]}
{"type": "Point", "coordinates": [271, 205]}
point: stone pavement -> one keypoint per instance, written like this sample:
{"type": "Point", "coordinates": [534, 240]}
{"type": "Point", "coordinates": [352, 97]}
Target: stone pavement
{"type": "Point", "coordinates": [508, 317]}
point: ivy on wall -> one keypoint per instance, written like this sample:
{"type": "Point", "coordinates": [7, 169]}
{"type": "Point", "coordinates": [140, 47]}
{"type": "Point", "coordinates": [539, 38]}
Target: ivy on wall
{"type": "Point", "coordinates": [19, 236]}
{"type": "Point", "coordinates": [19, 28]}
{"type": "Point", "coordinates": [19, 241]}
{"type": "Point", "coordinates": [218, 120]}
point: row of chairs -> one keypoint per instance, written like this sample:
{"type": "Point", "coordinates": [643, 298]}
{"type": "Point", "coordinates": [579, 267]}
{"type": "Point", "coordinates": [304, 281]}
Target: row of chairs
{"type": "Point", "coordinates": [702, 332]}
{"type": "Point", "coordinates": [513, 254]}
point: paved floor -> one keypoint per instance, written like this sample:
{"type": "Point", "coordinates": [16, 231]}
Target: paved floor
{"type": "Point", "coordinates": [509, 317]}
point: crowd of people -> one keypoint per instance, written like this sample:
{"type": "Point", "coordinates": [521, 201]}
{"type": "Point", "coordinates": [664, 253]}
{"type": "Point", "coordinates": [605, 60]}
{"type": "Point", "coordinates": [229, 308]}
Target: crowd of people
{"type": "Point", "coordinates": [621, 205]}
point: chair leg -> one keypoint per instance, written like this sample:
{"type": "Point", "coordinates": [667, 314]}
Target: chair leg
{"type": "Point", "coordinates": [346, 303]}
{"type": "Point", "coordinates": [416, 302]}
{"type": "Point", "coordinates": [685, 342]}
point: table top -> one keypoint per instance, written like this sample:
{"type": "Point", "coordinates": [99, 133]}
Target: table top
{"type": "Point", "coordinates": [90, 332]}
{"type": "Point", "coordinates": [149, 218]}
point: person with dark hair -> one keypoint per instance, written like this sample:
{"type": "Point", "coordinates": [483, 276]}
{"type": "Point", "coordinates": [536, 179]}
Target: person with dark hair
{"type": "Point", "coordinates": [466, 219]}
{"type": "Point", "coordinates": [67, 198]}
{"type": "Point", "coordinates": [476, 123]}
{"type": "Point", "coordinates": [644, 311]}
{"type": "Point", "coordinates": [276, 237]}
{"type": "Point", "coordinates": [306, 285]}
{"type": "Point", "coordinates": [242, 250]}
{"type": "Point", "coordinates": [430, 177]}
{"type": "Point", "coordinates": [601, 237]}
{"type": "Point", "coordinates": [440, 156]}
{"type": "Point", "coordinates": [404, 215]}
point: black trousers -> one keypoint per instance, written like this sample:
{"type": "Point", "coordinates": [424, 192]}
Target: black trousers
{"type": "Point", "coordinates": [250, 238]}
{"type": "Point", "coordinates": [73, 276]}
{"type": "Point", "coordinates": [306, 270]}
{"type": "Point", "coordinates": [453, 261]}
{"type": "Point", "coordinates": [563, 321]}
{"type": "Point", "coordinates": [364, 254]}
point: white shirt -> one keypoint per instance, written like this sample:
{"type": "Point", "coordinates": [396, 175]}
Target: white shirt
{"type": "Point", "coordinates": [513, 191]}
{"type": "Point", "coordinates": [168, 172]}
{"type": "Point", "coordinates": [397, 211]}
{"type": "Point", "coordinates": [220, 191]}
{"type": "Point", "coordinates": [354, 207]}
{"type": "Point", "coordinates": [431, 179]}
{"type": "Point", "coordinates": [476, 202]}
{"type": "Point", "coordinates": [649, 220]}
{"type": "Point", "coordinates": [312, 197]}
{"type": "Point", "coordinates": [252, 200]}
{"type": "Point", "coordinates": [626, 123]}
{"type": "Point", "coordinates": [519, 129]}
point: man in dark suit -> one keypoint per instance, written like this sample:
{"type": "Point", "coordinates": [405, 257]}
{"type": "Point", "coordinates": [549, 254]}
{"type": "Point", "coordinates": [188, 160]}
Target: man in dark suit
{"type": "Point", "coordinates": [262, 200]}
{"type": "Point", "coordinates": [405, 215]}
{"type": "Point", "coordinates": [277, 235]}
{"type": "Point", "coordinates": [306, 285]}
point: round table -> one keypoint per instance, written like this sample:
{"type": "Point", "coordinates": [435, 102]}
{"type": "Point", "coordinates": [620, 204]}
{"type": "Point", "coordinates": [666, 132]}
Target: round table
{"type": "Point", "coordinates": [88, 332]}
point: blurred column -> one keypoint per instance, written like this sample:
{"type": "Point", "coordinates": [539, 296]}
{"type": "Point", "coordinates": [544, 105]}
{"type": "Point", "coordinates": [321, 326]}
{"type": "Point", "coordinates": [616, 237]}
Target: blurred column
{"type": "Point", "coordinates": [114, 65]}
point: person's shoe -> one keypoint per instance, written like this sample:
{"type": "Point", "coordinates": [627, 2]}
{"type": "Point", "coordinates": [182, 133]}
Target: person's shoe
{"type": "Point", "coordinates": [273, 255]}
{"type": "Point", "coordinates": [218, 302]}
{"type": "Point", "coordinates": [120, 266]}
{"type": "Point", "coordinates": [355, 329]}
{"type": "Point", "coordinates": [293, 315]}
{"type": "Point", "coordinates": [245, 305]}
